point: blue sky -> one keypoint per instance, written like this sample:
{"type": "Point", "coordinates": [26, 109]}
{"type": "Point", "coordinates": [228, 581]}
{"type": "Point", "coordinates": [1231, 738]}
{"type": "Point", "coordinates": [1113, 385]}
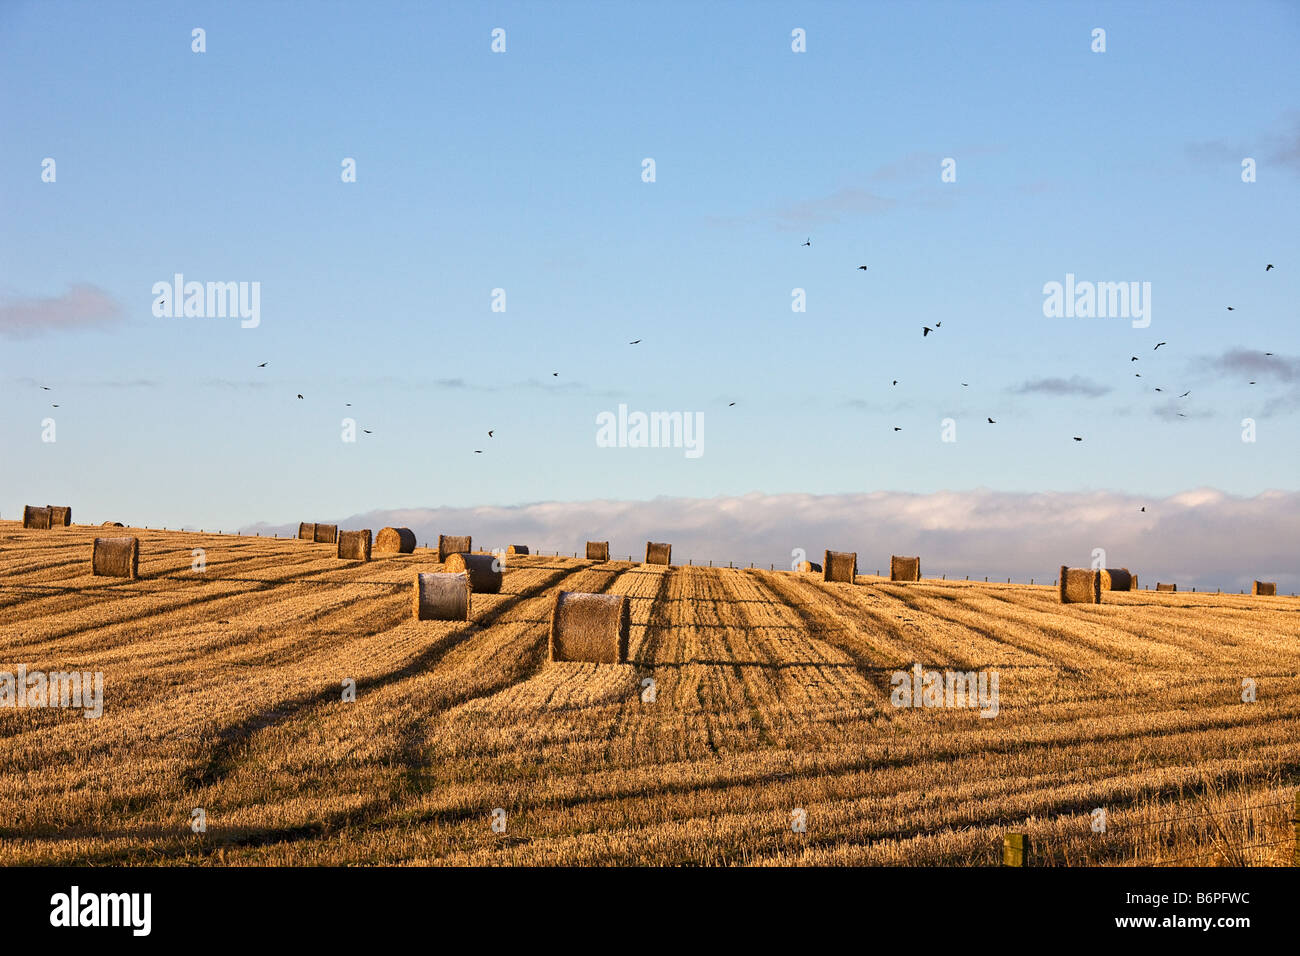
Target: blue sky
{"type": "Point", "coordinates": [522, 171]}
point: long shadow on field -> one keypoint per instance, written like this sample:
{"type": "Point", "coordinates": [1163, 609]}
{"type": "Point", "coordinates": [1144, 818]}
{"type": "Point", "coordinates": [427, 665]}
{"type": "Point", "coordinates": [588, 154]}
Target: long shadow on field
{"type": "Point", "coordinates": [221, 755]}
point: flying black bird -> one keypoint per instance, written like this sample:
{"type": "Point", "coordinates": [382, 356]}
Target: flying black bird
{"type": "Point", "coordinates": [895, 381]}
{"type": "Point", "coordinates": [1186, 393]}
{"type": "Point", "coordinates": [1252, 383]}
{"type": "Point", "coordinates": [555, 374]}
{"type": "Point", "coordinates": [809, 242]}
{"type": "Point", "coordinates": [992, 422]}
{"type": "Point", "coordinates": [897, 429]}
{"type": "Point", "coordinates": [54, 406]}
{"type": "Point", "coordinates": [937, 324]}
{"type": "Point", "coordinates": [1181, 415]}
{"type": "Point", "coordinates": [1133, 359]}
{"type": "Point", "coordinates": [367, 431]}
{"type": "Point", "coordinates": [730, 405]}
{"type": "Point", "coordinates": [348, 404]}
{"type": "Point", "coordinates": [490, 431]}
{"type": "Point", "coordinates": [1077, 438]}
{"type": "Point", "coordinates": [1159, 389]}
{"type": "Point", "coordinates": [1268, 267]}
{"type": "Point", "coordinates": [1231, 309]}
{"type": "Point", "coordinates": [864, 268]}
{"type": "Point", "coordinates": [478, 451]}
{"type": "Point", "coordinates": [300, 396]}
{"type": "Point", "coordinates": [1144, 507]}
{"type": "Point", "coordinates": [1137, 374]}
{"type": "Point", "coordinates": [1268, 353]}
{"type": "Point", "coordinates": [965, 385]}
{"type": "Point", "coordinates": [45, 387]}
{"type": "Point", "coordinates": [1158, 344]}
{"type": "Point", "coordinates": [925, 330]}
{"type": "Point", "coordinates": [263, 365]}
{"type": "Point", "coordinates": [637, 342]}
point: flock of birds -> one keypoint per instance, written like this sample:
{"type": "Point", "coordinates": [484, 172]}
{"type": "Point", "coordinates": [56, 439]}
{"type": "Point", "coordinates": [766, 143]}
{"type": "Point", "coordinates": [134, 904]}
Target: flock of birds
{"type": "Point", "coordinates": [925, 332]}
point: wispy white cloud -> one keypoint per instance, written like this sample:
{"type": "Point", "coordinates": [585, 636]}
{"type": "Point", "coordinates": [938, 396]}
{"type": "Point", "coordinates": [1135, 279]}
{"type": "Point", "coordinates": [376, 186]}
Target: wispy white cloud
{"type": "Point", "coordinates": [82, 306]}
{"type": "Point", "coordinates": [1203, 538]}
{"type": "Point", "coordinates": [1074, 385]}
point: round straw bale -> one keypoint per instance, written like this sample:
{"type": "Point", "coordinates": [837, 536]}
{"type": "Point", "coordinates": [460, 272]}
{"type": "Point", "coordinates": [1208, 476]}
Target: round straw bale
{"type": "Point", "coordinates": [112, 524]}
{"type": "Point", "coordinates": [326, 533]}
{"type": "Point", "coordinates": [60, 516]}
{"type": "Point", "coordinates": [449, 544]}
{"type": "Point", "coordinates": [597, 550]}
{"type": "Point", "coordinates": [517, 549]}
{"type": "Point", "coordinates": [806, 566]}
{"type": "Point", "coordinates": [37, 518]}
{"type": "Point", "coordinates": [354, 545]}
{"type": "Point", "coordinates": [306, 532]}
{"type": "Point", "coordinates": [116, 557]}
{"type": "Point", "coordinates": [395, 541]}
{"type": "Point", "coordinates": [589, 627]}
{"type": "Point", "coordinates": [840, 566]}
{"type": "Point", "coordinates": [1080, 585]}
{"type": "Point", "coordinates": [483, 570]}
{"type": "Point", "coordinates": [1166, 587]}
{"type": "Point", "coordinates": [440, 596]}
{"type": "Point", "coordinates": [904, 569]}
{"type": "Point", "coordinates": [1264, 588]}
{"type": "Point", "coordinates": [1116, 579]}
{"type": "Point", "coordinates": [657, 552]}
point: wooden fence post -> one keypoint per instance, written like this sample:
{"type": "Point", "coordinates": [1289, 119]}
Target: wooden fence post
{"type": "Point", "coordinates": [1015, 849]}
{"type": "Point", "coordinates": [1295, 822]}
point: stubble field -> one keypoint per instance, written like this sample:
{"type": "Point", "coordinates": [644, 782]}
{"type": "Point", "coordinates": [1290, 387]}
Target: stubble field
{"type": "Point", "coordinates": [223, 691]}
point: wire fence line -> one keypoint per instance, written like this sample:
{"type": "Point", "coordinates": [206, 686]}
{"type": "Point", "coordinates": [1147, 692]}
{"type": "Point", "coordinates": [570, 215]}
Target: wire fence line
{"type": "Point", "coordinates": [1017, 845]}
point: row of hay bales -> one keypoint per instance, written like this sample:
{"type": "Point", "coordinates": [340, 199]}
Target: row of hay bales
{"type": "Point", "coordinates": [1085, 585]}
{"type": "Point", "coordinates": [842, 566]}
{"type": "Point", "coordinates": [43, 518]}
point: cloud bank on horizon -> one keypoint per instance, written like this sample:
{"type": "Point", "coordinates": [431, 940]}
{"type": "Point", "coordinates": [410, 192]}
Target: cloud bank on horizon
{"type": "Point", "coordinates": [957, 533]}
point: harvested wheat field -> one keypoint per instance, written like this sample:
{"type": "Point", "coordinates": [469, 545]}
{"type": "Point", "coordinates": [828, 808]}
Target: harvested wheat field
{"type": "Point", "coordinates": [223, 690]}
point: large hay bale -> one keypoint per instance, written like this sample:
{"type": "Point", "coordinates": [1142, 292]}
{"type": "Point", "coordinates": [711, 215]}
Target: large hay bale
{"type": "Point", "coordinates": [36, 518]}
{"type": "Point", "coordinates": [589, 627]}
{"type": "Point", "coordinates": [904, 569]}
{"type": "Point", "coordinates": [395, 541]}
{"type": "Point", "coordinates": [354, 545]}
{"type": "Point", "coordinates": [1264, 588]}
{"type": "Point", "coordinates": [517, 549]}
{"type": "Point", "coordinates": [483, 571]}
{"type": "Point", "coordinates": [1117, 579]}
{"type": "Point", "coordinates": [440, 596]}
{"type": "Point", "coordinates": [597, 550]}
{"type": "Point", "coordinates": [840, 566]}
{"type": "Point", "coordinates": [1080, 585]}
{"type": "Point", "coordinates": [657, 552]}
{"type": "Point", "coordinates": [1166, 587]}
{"type": "Point", "coordinates": [806, 566]}
{"type": "Point", "coordinates": [449, 544]}
{"type": "Point", "coordinates": [325, 533]}
{"type": "Point", "coordinates": [306, 532]}
{"type": "Point", "coordinates": [116, 557]}
{"type": "Point", "coordinates": [112, 524]}
{"type": "Point", "coordinates": [60, 516]}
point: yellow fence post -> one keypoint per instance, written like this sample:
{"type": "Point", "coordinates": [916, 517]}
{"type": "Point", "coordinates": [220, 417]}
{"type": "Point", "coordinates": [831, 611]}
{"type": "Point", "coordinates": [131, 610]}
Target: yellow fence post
{"type": "Point", "coordinates": [1015, 849]}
